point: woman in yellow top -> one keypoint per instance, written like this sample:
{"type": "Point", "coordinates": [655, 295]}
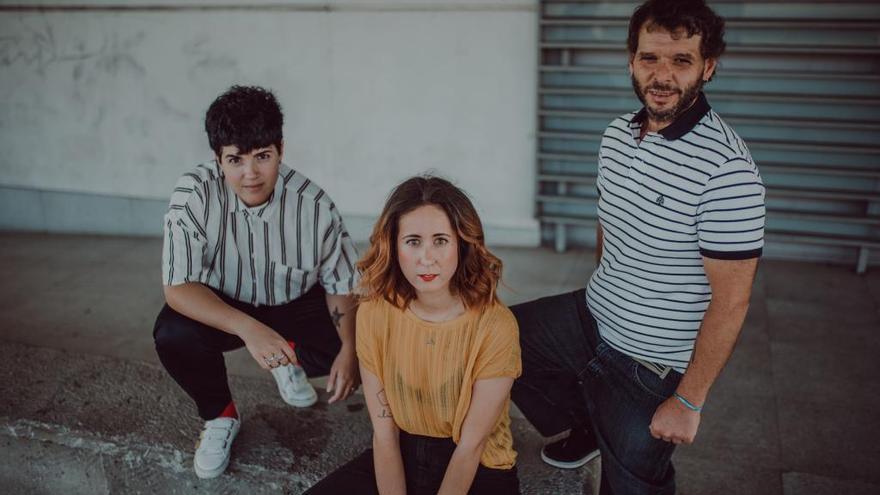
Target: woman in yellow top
{"type": "Point", "coordinates": [438, 353]}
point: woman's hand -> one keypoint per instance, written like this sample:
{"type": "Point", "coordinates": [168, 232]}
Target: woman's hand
{"type": "Point", "coordinates": [344, 376]}
{"type": "Point", "coordinates": [267, 347]}
{"type": "Point", "coordinates": [487, 404]}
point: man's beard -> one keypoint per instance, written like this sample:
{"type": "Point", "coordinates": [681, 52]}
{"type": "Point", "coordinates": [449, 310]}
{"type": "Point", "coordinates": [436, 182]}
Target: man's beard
{"type": "Point", "coordinates": [685, 99]}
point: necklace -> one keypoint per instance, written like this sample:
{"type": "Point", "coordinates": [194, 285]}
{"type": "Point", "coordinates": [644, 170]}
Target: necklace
{"type": "Point", "coordinates": [450, 313]}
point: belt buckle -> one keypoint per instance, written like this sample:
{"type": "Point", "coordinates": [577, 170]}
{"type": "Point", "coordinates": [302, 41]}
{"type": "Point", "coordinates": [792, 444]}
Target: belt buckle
{"type": "Point", "coordinates": [658, 369]}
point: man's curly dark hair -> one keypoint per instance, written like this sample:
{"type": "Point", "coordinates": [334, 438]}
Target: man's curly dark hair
{"type": "Point", "coordinates": [693, 16]}
{"type": "Point", "coordinates": [247, 117]}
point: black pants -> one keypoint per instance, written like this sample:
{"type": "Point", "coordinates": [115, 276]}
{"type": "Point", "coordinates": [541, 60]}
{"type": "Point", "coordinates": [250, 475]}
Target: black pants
{"type": "Point", "coordinates": [192, 352]}
{"type": "Point", "coordinates": [572, 378]}
{"type": "Point", "coordinates": [424, 463]}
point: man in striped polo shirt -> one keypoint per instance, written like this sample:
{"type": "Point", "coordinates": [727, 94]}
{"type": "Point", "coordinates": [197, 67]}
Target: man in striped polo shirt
{"type": "Point", "coordinates": [255, 255]}
{"type": "Point", "coordinates": [627, 364]}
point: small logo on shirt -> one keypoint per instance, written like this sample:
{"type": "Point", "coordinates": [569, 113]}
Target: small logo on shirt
{"type": "Point", "coordinates": [659, 200]}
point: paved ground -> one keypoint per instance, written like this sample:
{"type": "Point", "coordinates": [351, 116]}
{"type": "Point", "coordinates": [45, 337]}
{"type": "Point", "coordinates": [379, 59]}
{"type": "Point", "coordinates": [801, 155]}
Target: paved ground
{"type": "Point", "coordinates": [87, 409]}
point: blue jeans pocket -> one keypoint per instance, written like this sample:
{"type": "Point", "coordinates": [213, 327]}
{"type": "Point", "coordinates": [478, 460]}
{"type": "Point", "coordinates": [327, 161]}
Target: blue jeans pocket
{"type": "Point", "coordinates": [650, 383]}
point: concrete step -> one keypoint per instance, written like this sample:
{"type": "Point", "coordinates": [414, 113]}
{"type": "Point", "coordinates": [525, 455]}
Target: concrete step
{"type": "Point", "coordinates": [80, 423]}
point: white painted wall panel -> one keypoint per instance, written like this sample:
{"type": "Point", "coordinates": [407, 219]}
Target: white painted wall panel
{"type": "Point", "coordinates": [111, 102]}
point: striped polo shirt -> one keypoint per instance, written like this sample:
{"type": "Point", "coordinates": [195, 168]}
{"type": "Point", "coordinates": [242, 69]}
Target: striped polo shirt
{"type": "Point", "coordinates": [666, 201]}
{"type": "Point", "coordinates": [263, 255]}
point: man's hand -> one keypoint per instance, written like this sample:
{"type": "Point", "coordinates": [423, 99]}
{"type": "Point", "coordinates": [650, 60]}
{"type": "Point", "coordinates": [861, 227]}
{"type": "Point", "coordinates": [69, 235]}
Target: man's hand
{"type": "Point", "coordinates": [673, 422]}
{"type": "Point", "coordinates": [344, 375]}
{"type": "Point", "coordinates": [264, 343]}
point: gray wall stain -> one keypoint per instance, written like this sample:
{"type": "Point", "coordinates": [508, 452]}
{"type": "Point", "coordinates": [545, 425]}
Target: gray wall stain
{"type": "Point", "coordinates": [206, 62]}
{"type": "Point", "coordinates": [165, 106]}
{"type": "Point", "coordinates": [99, 118]}
{"type": "Point", "coordinates": [33, 43]}
{"type": "Point", "coordinates": [119, 58]}
{"type": "Point", "coordinates": [148, 160]}
{"type": "Point", "coordinates": [137, 124]}
{"type": "Point", "coordinates": [78, 71]}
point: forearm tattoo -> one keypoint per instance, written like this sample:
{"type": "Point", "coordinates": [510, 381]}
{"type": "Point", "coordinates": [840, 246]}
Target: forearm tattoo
{"type": "Point", "coordinates": [385, 407]}
{"type": "Point", "coordinates": [337, 317]}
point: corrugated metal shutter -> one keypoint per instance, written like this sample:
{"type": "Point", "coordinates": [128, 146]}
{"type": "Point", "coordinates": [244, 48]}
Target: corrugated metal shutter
{"type": "Point", "coordinates": [800, 82]}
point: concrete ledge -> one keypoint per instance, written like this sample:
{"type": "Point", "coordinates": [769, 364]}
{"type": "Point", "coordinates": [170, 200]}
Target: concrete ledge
{"type": "Point", "coordinates": [35, 210]}
{"type": "Point", "coordinates": [49, 458]}
{"type": "Point", "coordinates": [75, 423]}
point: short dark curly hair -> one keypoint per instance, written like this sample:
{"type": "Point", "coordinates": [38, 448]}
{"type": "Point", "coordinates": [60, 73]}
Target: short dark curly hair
{"type": "Point", "coordinates": [694, 16]}
{"type": "Point", "coordinates": [247, 117]}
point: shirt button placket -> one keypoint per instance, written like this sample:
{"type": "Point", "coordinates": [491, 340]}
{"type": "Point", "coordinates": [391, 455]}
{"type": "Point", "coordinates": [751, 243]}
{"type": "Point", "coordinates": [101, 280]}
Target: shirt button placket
{"type": "Point", "coordinates": [639, 166]}
{"type": "Point", "coordinates": [633, 177]}
{"type": "Point", "coordinates": [253, 237]}
{"type": "Point", "coordinates": [250, 220]}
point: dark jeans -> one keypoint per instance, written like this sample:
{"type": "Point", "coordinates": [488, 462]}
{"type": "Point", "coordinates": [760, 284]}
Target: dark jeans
{"type": "Point", "coordinates": [192, 352]}
{"type": "Point", "coordinates": [424, 463]}
{"type": "Point", "coordinates": [571, 378]}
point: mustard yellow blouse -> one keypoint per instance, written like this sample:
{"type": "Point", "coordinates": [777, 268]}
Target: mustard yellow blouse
{"type": "Point", "coordinates": [429, 369]}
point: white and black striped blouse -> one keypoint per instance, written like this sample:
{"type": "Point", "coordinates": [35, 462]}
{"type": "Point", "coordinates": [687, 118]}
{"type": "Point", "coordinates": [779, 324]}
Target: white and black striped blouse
{"type": "Point", "coordinates": [665, 202]}
{"type": "Point", "coordinates": [263, 255]}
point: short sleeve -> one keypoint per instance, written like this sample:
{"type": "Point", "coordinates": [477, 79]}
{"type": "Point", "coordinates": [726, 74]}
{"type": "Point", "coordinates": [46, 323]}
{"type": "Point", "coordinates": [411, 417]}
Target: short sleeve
{"type": "Point", "coordinates": [366, 345]}
{"type": "Point", "coordinates": [338, 272]}
{"type": "Point", "coordinates": [600, 172]}
{"type": "Point", "coordinates": [184, 239]}
{"type": "Point", "coordinates": [730, 216]}
{"type": "Point", "coordinates": [499, 352]}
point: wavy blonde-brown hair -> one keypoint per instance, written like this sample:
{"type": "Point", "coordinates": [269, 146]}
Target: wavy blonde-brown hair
{"type": "Point", "coordinates": [476, 278]}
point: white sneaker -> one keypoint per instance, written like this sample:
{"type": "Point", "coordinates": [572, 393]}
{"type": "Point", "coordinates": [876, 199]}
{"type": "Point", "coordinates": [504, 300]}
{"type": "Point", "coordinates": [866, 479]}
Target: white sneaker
{"type": "Point", "coordinates": [294, 386]}
{"type": "Point", "coordinates": [215, 442]}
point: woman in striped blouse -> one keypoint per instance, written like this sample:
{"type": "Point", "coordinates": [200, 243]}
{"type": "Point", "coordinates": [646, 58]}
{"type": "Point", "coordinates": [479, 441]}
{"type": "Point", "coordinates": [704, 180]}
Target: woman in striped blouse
{"type": "Point", "coordinates": [438, 352]}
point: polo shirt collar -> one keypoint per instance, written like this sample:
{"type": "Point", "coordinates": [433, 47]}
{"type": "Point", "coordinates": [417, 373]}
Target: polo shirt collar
{"type": "Point", "coordinates": [683, 124]}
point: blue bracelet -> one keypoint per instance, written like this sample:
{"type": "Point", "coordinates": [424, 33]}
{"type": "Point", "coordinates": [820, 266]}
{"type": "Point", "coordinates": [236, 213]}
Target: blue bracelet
{"type": "Point", "coordinates": [687, 403]}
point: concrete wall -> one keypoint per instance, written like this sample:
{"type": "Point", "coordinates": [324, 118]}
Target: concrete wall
{"type": "Point", "coordinates": [105, 101]}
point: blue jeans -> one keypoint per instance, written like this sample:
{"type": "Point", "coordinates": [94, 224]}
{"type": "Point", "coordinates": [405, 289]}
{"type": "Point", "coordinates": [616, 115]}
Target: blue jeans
{"type": "Point", "coordinates": [572, 378]}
